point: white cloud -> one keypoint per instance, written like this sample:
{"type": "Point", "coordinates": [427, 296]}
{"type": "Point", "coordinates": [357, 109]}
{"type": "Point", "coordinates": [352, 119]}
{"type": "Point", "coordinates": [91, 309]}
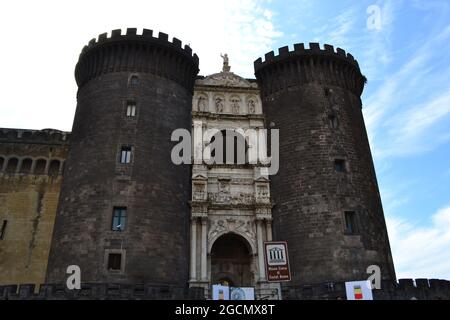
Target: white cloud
{"type": "Point", "coordinates": [421, 251]}
{"type": "Point", "coordinates": [42, 41]}
{"type": "Point", "coordinates": [405, 114]}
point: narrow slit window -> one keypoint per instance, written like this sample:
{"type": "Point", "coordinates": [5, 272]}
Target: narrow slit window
{"type": "Point", "coordinates": [125, 155]}
{"type": "Point", "coordinates": [3, 229]}
{"type": "Point", "coordinates": [119, 218]}
{"type": "Point", "coordinates": [131, 109]}
{"type": "Point", "coordinates": [333, 121]}
{"type": "Point", "coordinates": [350, 222]}
{"type": "Point", "coordinates": [339, 165]}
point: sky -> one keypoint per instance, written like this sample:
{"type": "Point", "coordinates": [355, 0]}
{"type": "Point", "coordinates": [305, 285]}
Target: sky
{"type": "Point", "coordinates": [403, 48]}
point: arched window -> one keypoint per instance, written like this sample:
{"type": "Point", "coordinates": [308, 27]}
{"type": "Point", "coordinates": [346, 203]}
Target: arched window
{"type": "Point", "coordinates": [53, 169]}
{"type": "Point", "coordinates": [26, 165]}
{"type": "Point", "coordinates": [12, 165]}
{"type": "Point", "coordinates": [134, 81]}
{"type": "Point", "coordinates": [40, 166]}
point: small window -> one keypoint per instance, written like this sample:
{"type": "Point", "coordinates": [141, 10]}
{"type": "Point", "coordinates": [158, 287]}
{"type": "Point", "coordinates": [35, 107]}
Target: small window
{"type": "Point", "coordinates": [134, 81]}
{"type": "Point", "coordinates": [119, 218]}
{"type": "Point", "coordinates": [131, 109]}
{"type": "Point", "coordinates": [115, 261]}
{"type": "Point", "coordinates": [26, 166]}
{"type": "Point", "coordinates": [12, 165]}
{"type": "Point", "coordinates": [350, 222]}
{"type": "Point", "coordinates": [333, 121]}
{"type": "Point", "coordinates": [3, 229]}
{"type": "Point", "coordinates": [53, 169]}
{"type": "Point", "coordinates": [40, 166]}
{"type": "Point", "coordinates": [125, 155]}
{"type": "Point", "coordinates": [339, 165]}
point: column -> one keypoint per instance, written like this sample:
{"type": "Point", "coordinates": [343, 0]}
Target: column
{"type": "Point", "coordinates": [269, 230]}
{"type": "Point", "coordinates": [193, 249]}
{"type": "Point", "coordinates": [47, 166]}
{"type": "Point", "coordinates": [259, 235]}
{"type": "Point", "coordinates": [204, 249]}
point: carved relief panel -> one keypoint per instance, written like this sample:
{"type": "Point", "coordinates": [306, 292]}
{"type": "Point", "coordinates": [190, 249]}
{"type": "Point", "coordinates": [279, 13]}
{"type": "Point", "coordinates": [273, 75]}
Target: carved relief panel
{"type": "Point", "coordinates": [262, 192]}
{"type": "Point", "coordinates": [199, 192]}
{"type": "Point", "coordinates": [244, 226]}
{"type": "Point", "coordinates": [224, 194]}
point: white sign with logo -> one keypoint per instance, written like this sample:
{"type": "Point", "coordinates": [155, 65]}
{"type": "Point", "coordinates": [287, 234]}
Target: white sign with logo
{"type": "Point", "coordinates": [220, 292]}
{"type": "Point", "coordinates": [277, 261]}
{"type": "Point", "coordinates": [359, 290]}
{"type": "Point", "coordinates": [242, 294]}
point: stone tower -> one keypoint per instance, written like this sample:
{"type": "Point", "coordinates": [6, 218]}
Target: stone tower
{"type": "Point", "coordinates": [123, 213]}
{"type": "Point", "coordinates": [326, 200]}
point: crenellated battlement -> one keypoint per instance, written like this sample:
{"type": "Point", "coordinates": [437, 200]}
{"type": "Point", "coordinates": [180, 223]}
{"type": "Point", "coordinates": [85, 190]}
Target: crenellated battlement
{"type": "Point", "coordinates": [99, 291]}
{"type": "Point", "coordinates": [133, 52]}
{"type": "Point", "coordinates": [146, 36]}
{"type": "Point", "coordinates": [302, 65]}
{"type": "Point", "coordinates": [404, 289]}
{"type": "Point", "coordinates": [46, 136]}
{"type": "Point", "coordinates": [300, 50]}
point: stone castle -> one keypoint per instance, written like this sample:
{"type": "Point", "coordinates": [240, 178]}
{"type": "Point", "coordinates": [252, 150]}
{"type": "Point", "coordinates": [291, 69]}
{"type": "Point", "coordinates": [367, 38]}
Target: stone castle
{"type": "Point", "coordinates": [108, 198]}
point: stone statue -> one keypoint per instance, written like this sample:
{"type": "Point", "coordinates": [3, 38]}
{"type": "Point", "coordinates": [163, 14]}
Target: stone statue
{"type": "Point", "coordinates": [226, 66]}
{"type": "Point", "coordinates": [202, 104]}
{"type": "Point", "coordinates": [219, 104]}
{"type": "Point", "coordinates": [251, 106]}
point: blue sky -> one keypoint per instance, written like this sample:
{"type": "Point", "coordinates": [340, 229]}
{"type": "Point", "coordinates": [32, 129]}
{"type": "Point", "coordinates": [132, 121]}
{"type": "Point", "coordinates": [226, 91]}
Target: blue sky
{"type": "Point", "coordinates": [406, 102]}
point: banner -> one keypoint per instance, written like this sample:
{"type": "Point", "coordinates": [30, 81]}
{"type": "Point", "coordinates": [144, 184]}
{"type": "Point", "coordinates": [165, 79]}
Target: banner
{"type": "Point", "coordinates": [359, 290]}
{"type": "Point", "coordinates": [220, 292]}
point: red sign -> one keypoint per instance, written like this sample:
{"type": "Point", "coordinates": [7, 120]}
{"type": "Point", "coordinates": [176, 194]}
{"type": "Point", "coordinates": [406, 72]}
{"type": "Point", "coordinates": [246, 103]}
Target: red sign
{"type": "Point", "coordinates": [277, 261]}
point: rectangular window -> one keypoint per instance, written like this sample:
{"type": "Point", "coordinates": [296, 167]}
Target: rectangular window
{"type": "Point", "coordinates": [131, 109]}
{"type": "Point", "coordinates": [3, 229]}
{"type": "Point", "coordinates": [115, 261]}
{"type": "Point", "coordinates": [333, 121]}
{"type": "Point", "coordinates": [350, 222]}
{"type": "Point", "coordinates": [119, 218]}
{"type": "Point", "coordinates": [125, 154]}
{"type": "Point", "coordinates": [339, 165]}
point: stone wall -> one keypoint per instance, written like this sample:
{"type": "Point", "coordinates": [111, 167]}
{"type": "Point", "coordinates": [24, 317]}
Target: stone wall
{"type": "Point", "coordinates": [99, 291]}
{"type": "Point", "coordinates": [31, 164]}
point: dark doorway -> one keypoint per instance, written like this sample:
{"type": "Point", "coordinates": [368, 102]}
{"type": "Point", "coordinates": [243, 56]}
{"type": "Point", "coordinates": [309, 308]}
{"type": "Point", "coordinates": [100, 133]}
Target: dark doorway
{"type": "Point", "coordinates": [231, 261]}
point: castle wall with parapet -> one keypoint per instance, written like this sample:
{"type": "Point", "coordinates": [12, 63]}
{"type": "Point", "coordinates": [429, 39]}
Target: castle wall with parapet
{"type": "Point", "coordinates": [31, 165]}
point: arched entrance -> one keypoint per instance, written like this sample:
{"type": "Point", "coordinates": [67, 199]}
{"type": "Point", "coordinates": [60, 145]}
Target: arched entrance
{"type": "Point", "coordinates": [231, 261]}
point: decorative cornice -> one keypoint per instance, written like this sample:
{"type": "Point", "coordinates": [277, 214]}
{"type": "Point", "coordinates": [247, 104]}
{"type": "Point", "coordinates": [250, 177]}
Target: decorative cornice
{"type": "Point", "coordinates": [226, 79]}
